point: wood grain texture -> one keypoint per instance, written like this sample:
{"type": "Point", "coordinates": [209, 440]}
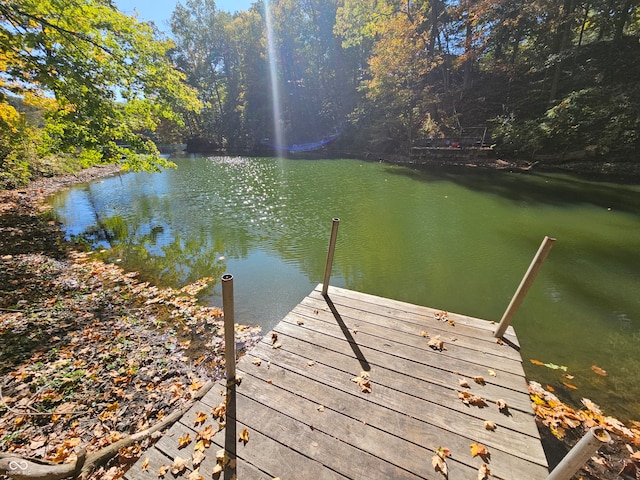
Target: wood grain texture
{"type": "Point", "coordinates": [308, 419]}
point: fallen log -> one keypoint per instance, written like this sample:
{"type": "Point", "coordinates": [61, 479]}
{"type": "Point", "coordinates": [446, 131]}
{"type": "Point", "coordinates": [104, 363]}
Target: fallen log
{"type": "Point", "coordinates": [24, 468]}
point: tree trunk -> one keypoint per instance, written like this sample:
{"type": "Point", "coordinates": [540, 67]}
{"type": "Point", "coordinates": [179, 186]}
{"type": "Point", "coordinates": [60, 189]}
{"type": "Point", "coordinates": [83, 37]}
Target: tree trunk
{"type": "Point", "coordinates": [622, 16]}
{"type": "Point", "coordinates": [563, 39]}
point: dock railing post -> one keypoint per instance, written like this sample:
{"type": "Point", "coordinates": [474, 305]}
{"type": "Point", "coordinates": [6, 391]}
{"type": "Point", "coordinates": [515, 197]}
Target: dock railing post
{"type": "Point", "coordinates": [526, 282]}
{"type": "Point", "coordinates": [229, 328]}
{"type": "Point", "coordinates": [580, 454]}
{"type": "Point", "coordinates": [332, 248]}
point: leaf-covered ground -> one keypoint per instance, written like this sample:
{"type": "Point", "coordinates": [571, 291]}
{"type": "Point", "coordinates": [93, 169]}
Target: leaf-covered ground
{"type": "Point", "coordinates": [89, 354]}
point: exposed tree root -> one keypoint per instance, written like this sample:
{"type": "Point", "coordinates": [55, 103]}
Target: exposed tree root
{"type": "Point", "coordinates": [22, 468]}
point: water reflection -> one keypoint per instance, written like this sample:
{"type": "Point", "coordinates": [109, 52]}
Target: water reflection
{"type": "Point", "coordinates": [460, 241]}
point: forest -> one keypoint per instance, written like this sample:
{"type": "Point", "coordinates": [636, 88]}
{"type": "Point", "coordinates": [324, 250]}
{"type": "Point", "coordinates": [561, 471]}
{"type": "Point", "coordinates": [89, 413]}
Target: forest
{"type": "Point", "coordinates": [83, 83]}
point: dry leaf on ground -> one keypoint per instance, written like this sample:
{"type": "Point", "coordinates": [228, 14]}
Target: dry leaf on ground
{"type": "Point", "coordinates": [244, 436]}
{"type": "Point", "coordinates": [363, 381]}
{"type": "Point", "coordinates": [483, 472]}
{"type": "Point", "coordinates": [439, 460]}
{"type": "Point", "coordinates": [478, 449]}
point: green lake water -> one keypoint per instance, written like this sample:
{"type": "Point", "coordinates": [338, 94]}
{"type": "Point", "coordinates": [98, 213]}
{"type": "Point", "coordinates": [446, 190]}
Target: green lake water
{"type": "Point", "coordinates": [456, 240]}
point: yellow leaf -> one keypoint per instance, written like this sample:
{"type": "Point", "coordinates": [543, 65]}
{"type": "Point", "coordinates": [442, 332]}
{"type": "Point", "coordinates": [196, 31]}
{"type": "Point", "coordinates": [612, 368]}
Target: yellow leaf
{"type": "Point", "coordinates": [257, 362]}
{"type": "Point", "coordinates": [478, 450]}
{"type": "Point", "coordinates": [145, 464]}
{"type": "Point", "coordinates": [244, 436]}
{"type": "Point", "coordinates": [162, 471]}
{"type": "Point", "coordinates": [200, 446]}
{"type": "Point", "coordinates": [184, 441]}
{"type": "Point", "coordinates": [200, 418]}
{"type": "Point", "coordinates": [196, 384]}
{"type": "Point", "coordinates": [492, 373]}
{"type": "Point", "coordinates": [463, 382]}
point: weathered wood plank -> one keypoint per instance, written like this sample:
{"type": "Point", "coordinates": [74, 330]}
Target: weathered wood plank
{"type": "Point", "coordinates": [307, 419]}
{"type": "Point", "coordinates": [427, 362]}
{"type": "Point", "coordinates": [378, 302]}
{"type": "Point", "coordinates": [399, 322]}
{"type": "Point", "coordinates": [446, 396]}
{"type": "Point", "coordinates": [373, 336]}
{"type": "Point", "coordinates": [388, 409]}
{"type": "Point", "coordinates": [299, 431]}
{"type": "Point", "coordinates": [261, 452]}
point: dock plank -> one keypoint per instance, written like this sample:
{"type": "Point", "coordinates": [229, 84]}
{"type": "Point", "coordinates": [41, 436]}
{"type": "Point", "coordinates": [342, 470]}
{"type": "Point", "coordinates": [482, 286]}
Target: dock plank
{"type": "Point", "coordinates": [307, 419]}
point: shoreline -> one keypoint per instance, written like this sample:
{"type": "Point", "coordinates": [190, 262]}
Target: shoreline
{"type": "Point", "coordinates": [91, 314]}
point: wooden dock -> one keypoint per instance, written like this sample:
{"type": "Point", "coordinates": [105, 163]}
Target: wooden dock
{"type": "Point", "coordinates": [307, 418]}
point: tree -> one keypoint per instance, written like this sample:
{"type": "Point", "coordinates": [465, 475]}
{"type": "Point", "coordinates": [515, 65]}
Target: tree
{"type": "Point", "coordinates": [108, 74]}
{"type": "Point", "coordinates": [198, 28]}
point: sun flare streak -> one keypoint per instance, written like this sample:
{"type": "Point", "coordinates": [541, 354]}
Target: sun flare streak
{"type": "Point", "coordinates": [273, 77]}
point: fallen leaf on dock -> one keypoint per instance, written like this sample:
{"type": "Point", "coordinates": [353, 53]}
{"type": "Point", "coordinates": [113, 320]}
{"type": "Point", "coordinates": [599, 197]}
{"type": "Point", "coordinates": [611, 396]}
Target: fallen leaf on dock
{"type": "Point", "coordinates": [145, 464]}
{"type": "Point", "coordinates": [244, 436]}
{"type": "Point", "coordinates": [479, 380]}
{"type": "Point", "coordinates": [274, 338]}
{"type": "Point", "coordinates": [489, 425]}
{"type": "Point", "coordinates": [201, 417]}
{"type": "Point", "coordinates": [439, 460]}
{"type": "Point", "coordinates": [492, 373]}
{"type": "Point", "coordinates": [184, 441]}
{"type": "Point", "coordinates": [179, 464]}
{"type": "Point", "coordinates": [300, 322]}
{"type": "Point", "coordinates": [469, 399]}
{"type": "Point", "coordinates": [220, 411]}
{"type": "Point", "coordinates": [363, 381]}
{"type": "Point", "coordinates": [162, 471]}
{"type": "Point", "coordinates": [257, 362]}
{"type": "Point", "coordinates": [479, 450]}
{"type": "Point", "coordinates": [463, 382]}
{"type": "Point", "coordinates": [221, 457]}
{"type": "Point", "coordinates": [197, 458]}
{"type": "Point", "coordinates": [436, 343]}
{"type": "Point", "coordinates": [599, 370]}
{"type": "Point", "coordinates": [483, 472]}
{"type": "Point", "coordinates": [195, 475]}
{"type": "Point", "coordinates": [502, 405]}
{"type": "Point", "coordinates": [276, 345]}
{"type": "Point", "coordinates": [424, 333]}
{"type": "Point", "coordinates": [320, 408]}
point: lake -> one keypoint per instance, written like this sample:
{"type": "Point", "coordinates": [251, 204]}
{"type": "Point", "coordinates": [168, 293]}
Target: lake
{"type": "Point", "coordinates": [457, 240]}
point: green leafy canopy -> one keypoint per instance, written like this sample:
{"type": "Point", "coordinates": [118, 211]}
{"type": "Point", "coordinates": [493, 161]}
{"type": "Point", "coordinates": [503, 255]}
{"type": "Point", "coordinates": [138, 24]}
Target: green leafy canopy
{"type": "Point", "coordinates": [108, 73]}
